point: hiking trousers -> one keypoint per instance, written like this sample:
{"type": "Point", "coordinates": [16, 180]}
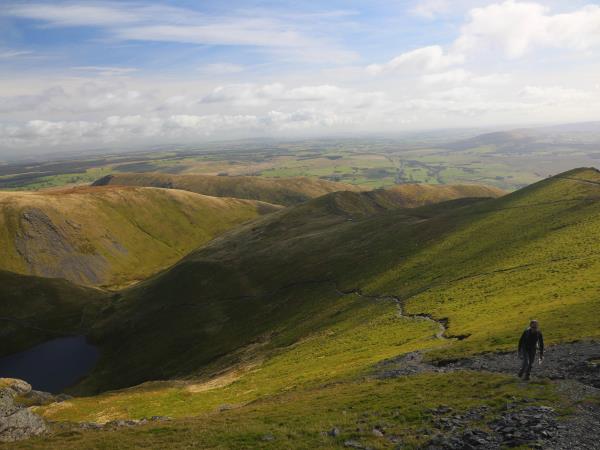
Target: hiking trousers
{"type": "Point", "coordinates": [528, 360]}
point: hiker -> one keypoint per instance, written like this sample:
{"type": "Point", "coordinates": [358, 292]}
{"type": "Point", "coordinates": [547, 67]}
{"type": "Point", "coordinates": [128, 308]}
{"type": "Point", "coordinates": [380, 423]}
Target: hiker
{"type": "Point", "coordinates": [530, 340]}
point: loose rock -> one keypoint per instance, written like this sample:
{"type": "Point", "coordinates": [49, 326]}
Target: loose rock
{"type": "Point", "coordinates": [16, 421]}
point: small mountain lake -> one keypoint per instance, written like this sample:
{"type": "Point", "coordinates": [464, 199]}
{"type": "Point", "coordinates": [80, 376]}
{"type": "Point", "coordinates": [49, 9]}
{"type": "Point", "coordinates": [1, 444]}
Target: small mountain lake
{"type": "Point", "coordinates": [53, 365]}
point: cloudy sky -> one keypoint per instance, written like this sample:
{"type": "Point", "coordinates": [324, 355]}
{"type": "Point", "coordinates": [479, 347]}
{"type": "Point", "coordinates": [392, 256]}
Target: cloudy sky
{"type": "Point", "coordinates": [109, 74]}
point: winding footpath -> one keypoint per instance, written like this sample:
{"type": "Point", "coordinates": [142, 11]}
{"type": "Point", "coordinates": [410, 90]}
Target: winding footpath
{"type": "Point", "coordinates": [573, 369]}
{"type": "Point", "coordinates": [441, 323]}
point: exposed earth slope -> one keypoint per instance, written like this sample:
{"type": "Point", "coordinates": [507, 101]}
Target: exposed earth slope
{"type": "Point", "coordinates": [284, 191]}
{"type": "Point", "coordinates": [110, 236]}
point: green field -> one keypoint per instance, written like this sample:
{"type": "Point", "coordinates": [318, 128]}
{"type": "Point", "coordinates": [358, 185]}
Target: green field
{"type": "Point", "coordinates": [505, 160]}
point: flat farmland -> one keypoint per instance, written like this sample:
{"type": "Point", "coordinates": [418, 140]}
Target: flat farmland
{"type": "Point", "coordinates": [370, 163]}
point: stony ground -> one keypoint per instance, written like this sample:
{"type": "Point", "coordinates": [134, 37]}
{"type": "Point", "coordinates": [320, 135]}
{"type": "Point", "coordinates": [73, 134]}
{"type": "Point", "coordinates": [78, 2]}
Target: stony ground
{"type": "Point", "coordinates": [576, 361]}
{"type": "Point", "coordinates": [574, 368]}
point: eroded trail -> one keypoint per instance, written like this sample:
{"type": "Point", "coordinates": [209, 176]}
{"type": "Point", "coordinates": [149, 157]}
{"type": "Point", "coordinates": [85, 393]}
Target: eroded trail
{"type": "Point", "coordinates": [441, 323]}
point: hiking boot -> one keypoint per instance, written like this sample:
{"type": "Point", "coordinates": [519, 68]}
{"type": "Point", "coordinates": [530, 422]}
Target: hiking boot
{"type": "Point", "coordinates": [520, 374]}
{"type": "Point", "coordinates": [526, 377]}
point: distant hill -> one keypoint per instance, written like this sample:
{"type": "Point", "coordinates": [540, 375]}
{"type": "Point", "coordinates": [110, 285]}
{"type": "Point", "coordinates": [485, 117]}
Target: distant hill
{"type": "Point", "coordinates": [280, 191]}
{"type": "Point", "coordinates": [414, 195]}
{"type": "Point", "coordinates": [501, 139]}
{"type": "Point", "coordinates": [584, 135]}
{"type": "Point", "coordinates": [110, 236]}
{"type": "Point", "coordinates": [574, 128]}
{"type": "Point", "coordinates": [365, 204]}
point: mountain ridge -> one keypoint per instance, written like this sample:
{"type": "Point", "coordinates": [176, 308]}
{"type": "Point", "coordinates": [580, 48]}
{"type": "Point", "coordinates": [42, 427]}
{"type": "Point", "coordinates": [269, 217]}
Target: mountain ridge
{"type": "Point", "coordinates": [281, 191]}
{"type": "Point", "coordinates": [111, 236]}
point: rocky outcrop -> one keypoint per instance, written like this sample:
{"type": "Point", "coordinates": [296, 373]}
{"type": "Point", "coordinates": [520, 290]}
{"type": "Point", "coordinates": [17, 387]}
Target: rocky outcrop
{"type": "Point", "coordinates": [40, 398]}
{"type": "Point", "coordinates": [17, 422]}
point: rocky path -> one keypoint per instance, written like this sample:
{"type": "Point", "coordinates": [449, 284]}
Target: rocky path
{"type": "Point", "coordinates": [578, 361]}
{"type": "Point", "coordinates": [574, 369]}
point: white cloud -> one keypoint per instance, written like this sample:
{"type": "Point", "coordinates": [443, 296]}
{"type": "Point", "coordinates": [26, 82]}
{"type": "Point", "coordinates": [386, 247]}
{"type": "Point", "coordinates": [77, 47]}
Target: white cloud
{"type": "Point", "coordinates": [430, 8]}
{"type": "Point", "coordinates": [258, 95]}
{"type": "Point", "coordinates": [315, 93]}
{"type": "Point", "coordinates": [513, 28]}
{"type": "Point", "coordinates": [6, 54]}
{"type": "Point", "coordinates": [449, 77]}
{"type": "Point", "coordinates": [445, 9]}
{"type": "Point", "coordinates": [244, 94]}
{"type": "Point", "coordinates": [517, 28]}
{"type": "Point", "coordinates": [92, 14]}
{"type": "Point", "coordinates": [554, 94]}
{"type": "Point", "coordinates": [228, 32]}
{"type": "Point", "coordinates": [48, 99]}
{"type": "Point", "coordinates": [137, 129]}
{"type": "Point", "coordinates": [90, 96]}
{"type": "Point", "coordinates": [472, 74]}
{"type": "Point", "coordinates": [160, 117]}
{"type": "Point", "coordinates": [106, 71]}
{"type": "Point", "coordinates": [221, 68]}
{"type": "Point", "coordinates": [302, 36]}
{"type": "Point", "coordinates": [462, 76]}
{"type": "Point", "coordinates": [424, 59]}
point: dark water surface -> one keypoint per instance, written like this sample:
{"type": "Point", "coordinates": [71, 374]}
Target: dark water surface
{"type": "Point", "coordinates": [53, 365]}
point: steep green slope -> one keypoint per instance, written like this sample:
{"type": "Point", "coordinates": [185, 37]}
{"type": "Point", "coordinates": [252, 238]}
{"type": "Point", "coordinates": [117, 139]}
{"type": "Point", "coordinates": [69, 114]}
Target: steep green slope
{"type": "Point", "coordinates": [259, 278]}
{"type": "Point", "coordinates": [34, 309]}
{"type": "Point", "coordinates": [285, 191]}
{"type": "Point", "coordinates": [262, 277]}
{"type": "Point", "coordinates": [530, 254]}
{"type": "Point", "coordinates": [265, 321]}
{"type": "Point", "coordinates": [110, 236]}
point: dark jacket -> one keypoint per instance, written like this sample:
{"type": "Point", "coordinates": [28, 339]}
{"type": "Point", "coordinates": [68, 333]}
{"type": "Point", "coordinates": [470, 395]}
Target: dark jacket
{"type": "Point", "coordinates": [530, 340]}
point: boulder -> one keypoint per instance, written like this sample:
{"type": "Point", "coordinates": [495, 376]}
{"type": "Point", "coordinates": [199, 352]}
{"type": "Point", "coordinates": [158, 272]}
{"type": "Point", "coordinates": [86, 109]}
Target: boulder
{"type": "Point", "coordinates": [17, 422]}
{"type": "Point", "coordinates": [38, 398]}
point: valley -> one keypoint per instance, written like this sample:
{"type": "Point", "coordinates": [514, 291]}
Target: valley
{"type": "Point", "coordinates": [346, 312]}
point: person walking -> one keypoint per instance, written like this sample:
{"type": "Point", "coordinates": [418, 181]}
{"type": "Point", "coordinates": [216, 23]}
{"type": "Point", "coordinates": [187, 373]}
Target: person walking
{"type": "Point", "coordinates": [530, 341]}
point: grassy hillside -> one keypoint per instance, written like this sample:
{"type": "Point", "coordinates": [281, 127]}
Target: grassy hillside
{"type": "Point", "coordinates": [110, 236]}
{"type": "Point", "coordinates": [260, 277]}
{"type": "Point", "coordinates": [530, 254]}
{"type": "Point", "coordinates": [301, 419]}
{"type": "Point", "coordinates": [34, 309]}
{"type": "Point", "coordinates": [413, 195]}
{"type": "Point", "coordinates": [266, 332]}
{"type": "Point", "coordinates": [285, 191]}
